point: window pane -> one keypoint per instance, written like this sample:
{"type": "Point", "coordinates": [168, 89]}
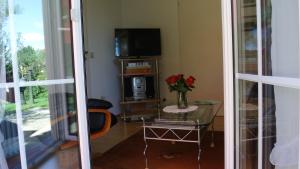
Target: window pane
{"type": "Point", "coordinates": [44, 47]}
{"type": "Point", "coordinates": [248, 125]}
{"type": "Point", "coordinates": [280, 127]}
{"type": "Point", "coordinates": [5, 56]}
{"type": "Point", "coordinates": [49, 118]}
{"type": "Point", "coordinates": [247, 36]}
{"type": "Point", "coordinates": [280, 32]}
{"type": "Point", "coordinates": [9, 142]}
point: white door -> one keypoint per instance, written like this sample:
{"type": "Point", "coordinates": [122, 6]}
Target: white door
{"type": "Point", "coordinates": [262, 83]}
{"type": "Point", "coordinates": [42, 106]}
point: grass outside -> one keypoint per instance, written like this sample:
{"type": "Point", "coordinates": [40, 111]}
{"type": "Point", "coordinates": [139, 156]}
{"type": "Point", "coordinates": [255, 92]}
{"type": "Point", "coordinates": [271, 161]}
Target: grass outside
{"type": "Point", "coordinates": [40, 102]}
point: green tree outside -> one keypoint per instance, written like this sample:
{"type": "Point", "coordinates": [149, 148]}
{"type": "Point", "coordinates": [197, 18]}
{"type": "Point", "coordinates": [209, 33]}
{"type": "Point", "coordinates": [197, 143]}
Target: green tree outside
{"type": "Point", "coordinates": [31, 64]}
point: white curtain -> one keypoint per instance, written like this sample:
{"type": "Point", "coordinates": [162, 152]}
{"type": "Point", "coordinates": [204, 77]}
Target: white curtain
{"type": "Point", "coordinates": [57, 57]}
{"type": "Point", "coordinates": [285, 62]}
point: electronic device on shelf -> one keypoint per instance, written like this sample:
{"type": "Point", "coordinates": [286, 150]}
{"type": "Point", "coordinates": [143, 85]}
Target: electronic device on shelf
{"type": "Point", "coordinates": [137, 42]}
{"type": "Point", "coordinates": [139, 87]}
{"type": "Point", "coordinates": [138, 67]}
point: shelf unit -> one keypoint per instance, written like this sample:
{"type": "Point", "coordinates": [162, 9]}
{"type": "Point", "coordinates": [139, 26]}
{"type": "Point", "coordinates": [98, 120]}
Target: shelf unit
{"type": "Point", "coordinates": [138, 107]}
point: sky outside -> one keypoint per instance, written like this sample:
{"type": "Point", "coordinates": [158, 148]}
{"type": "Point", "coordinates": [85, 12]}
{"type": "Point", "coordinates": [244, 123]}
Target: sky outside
{"type": "Point", "coordinates": [29, 22]}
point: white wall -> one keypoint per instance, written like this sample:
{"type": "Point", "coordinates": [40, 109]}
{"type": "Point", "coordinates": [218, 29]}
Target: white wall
{"type": "Point", "coordinates": [101, 18]}
{"type": "Point", "coordinates": [201, 46]}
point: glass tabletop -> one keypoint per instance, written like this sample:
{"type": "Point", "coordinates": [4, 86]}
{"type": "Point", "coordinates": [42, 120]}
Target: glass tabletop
{"type": "Point", "coordinates": [203, 115]}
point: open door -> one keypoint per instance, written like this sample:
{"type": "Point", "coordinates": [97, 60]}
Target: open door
{"type": "Point", "coordinates": [41, 103]}
{"type": "Point", "coordinates": [262, 83]}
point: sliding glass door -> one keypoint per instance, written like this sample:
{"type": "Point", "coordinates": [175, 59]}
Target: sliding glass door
{"type": "Point", "coordinates": [38, 95]}
{"type": "Point", "coordinates": [267, 84]}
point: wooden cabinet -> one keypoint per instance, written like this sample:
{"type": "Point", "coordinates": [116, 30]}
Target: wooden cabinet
{"type": "Point", "coordinates": [140, 96]}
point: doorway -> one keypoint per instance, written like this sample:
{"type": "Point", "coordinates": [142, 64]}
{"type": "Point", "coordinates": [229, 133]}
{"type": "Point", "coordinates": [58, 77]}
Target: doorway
{"type": "Point", "coordinates": [190, 45]}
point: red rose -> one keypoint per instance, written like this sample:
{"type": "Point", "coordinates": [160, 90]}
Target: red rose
{"type": "Point", "coordinates": [172, 79]}
{"type": "Point", "coordinates": [190, 81]}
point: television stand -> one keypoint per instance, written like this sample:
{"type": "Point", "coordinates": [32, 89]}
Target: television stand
{"type": "Point", "coordinates": [140, 95]}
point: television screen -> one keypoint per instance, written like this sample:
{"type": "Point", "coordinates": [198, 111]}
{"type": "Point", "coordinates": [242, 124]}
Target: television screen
{"type": "Point", "coordinates": [137, 42]}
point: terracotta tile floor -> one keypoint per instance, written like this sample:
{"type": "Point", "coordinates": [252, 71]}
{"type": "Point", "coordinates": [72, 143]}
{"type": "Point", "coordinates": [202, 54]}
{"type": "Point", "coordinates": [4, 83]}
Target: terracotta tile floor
{"type": "Point", "coordinates": [163, 155]}
{"type": "Point", "coordinates": [67, 159]}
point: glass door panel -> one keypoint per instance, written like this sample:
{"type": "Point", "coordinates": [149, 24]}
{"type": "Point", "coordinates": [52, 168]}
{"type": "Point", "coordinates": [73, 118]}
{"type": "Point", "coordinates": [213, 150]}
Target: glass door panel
{"type": "Point", "coordinates": [247, 39]}
{"type": "Point", "coordinates": [248, 122]}
{"type": "Point", "coordinates": [43, 36]}
{"type": "Point", "coordinates": [9, 149]}
{"type": "Point", "coordinates": [267, 97]}
{"type": "Point", "coordinates": [44, 118]}
{"type": "Point", "coordinates": [38, 112]}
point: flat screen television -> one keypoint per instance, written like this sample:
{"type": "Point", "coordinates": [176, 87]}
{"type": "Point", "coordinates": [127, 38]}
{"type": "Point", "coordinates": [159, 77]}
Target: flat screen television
{"type": "Point", "coordinates": [137, 42]}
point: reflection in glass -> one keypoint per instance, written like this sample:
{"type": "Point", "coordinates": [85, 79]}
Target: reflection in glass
{"type": "Point", "coordinates": [5, 56]}
{"type": "Point", "coordinates": [248, 125]}
{"type": "Point", "coordinates": [266, 27]}
{"type": "Point", "coordinates": [9, 142]}
{"type": "Point", "coordinates": [269, 125]}
{"type": "Point", "coordinates": [281, 127]}
{"type": "Point", "coordinates": [44, 47]}
{"type": "Point", "coordinates": [42, 31]}
{"type": "Point", "coordinates": [46, 120]}
{"type": "Point", "coordinates": [247, 36]}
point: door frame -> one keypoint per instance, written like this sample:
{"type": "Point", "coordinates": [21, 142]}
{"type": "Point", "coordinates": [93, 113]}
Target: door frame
{"type": "Point", "coordinates": [80, 82]}
{"type": "Point", "coordinates": [228, 74]}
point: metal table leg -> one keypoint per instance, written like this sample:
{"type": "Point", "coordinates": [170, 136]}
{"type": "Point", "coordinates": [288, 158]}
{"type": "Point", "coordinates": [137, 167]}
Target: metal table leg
{"type": "Point", "coordinates": [212, 144]}
{"type": "Point", "coordinates": [146, 145]}
{"type": "Point", "coordinates": [145, 154]}
{"type": "Point", "coordinates": [199, 141]}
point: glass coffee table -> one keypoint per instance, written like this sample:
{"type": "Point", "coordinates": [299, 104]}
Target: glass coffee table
{"type": "Point", "coordinates": [182, 125]}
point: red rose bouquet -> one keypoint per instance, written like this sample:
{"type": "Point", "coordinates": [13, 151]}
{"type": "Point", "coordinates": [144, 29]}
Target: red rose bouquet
{"type": "Point", "coordinates": [180, 84]}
